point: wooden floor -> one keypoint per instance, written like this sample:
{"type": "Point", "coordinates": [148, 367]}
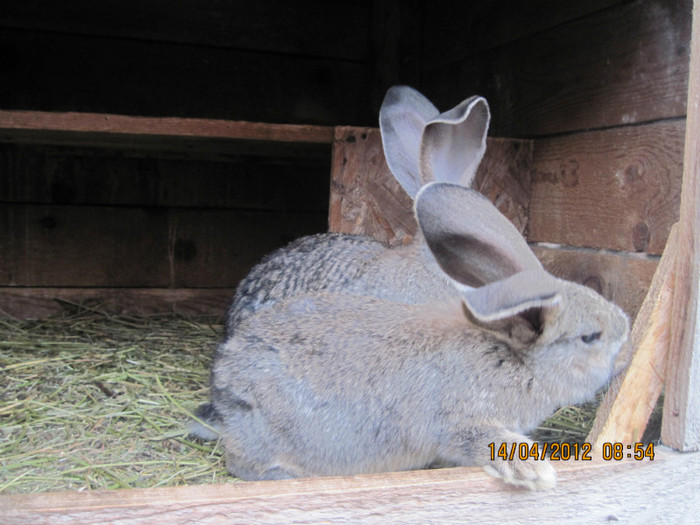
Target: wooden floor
{"type": "Point", "coordinates": [665, 490]}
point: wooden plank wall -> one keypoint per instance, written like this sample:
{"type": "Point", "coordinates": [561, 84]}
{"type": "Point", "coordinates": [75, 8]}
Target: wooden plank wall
{"type": "Point", "coordinates": [268, 60]}
{"type": "Point", "coordinates": [601, 89]}
{"type": "Point", "coordinates": [127, 205]}
{"type": "Point", "coordinates": [74, 220]}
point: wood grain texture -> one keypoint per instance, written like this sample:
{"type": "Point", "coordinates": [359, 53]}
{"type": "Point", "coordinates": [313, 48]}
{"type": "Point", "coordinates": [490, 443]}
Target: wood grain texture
{"type": "Point", "coordinates": [681, 421]}
{"type": "Point", "coordinates": [624, 65]}
{"type": "Point", "coordinates": [617, 189]}
{"type": "Point", "coordinates": [38, 303]}
{"type": "Point", "coordinates": [105, 246]}
{"type": "Point", "coordinates": [170, 127]}
{"type": "Point", "coordinates": [172, 137]}
{"type": "Point", "coordinates": [134, 77]}
{"type": "Point", "coordinates": [619, 277]}
{"type": "Point", "coordinates": [211, 248]}
{"type": "Point", "coordinates": [456, 30]}
{"type": "Point", "coordinates": [74, 246]}
{"type": "Point", "coordinates": [365, 197]}
{"type": "Point", "coordinates": [274, 26]}
{"type": "Point", "coordinates": [632, 395]}
{"type": "Point", "coordinates": [106, 177]}
{"type": "Point", "coordinates": [665, 490]}
{"type": "Point", "coordinates": [504, 176]}
{"type": "Point", "coordinates": [397, 50]}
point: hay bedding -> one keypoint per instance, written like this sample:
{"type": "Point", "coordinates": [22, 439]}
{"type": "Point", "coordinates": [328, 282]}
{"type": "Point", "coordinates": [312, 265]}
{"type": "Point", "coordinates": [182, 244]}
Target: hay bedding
{"type": "Point", "coordinates": [90, 400]}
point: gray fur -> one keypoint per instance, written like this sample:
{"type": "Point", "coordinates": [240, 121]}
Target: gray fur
{"type": "Point", "coordinates": [331, 384]}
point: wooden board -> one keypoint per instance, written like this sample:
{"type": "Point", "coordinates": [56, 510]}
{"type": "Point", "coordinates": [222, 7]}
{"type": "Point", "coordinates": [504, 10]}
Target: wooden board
{"type": "Point", "coordinates": [274, 26]}
{"type": "Point", "coordinates": [504, 176]}
{"type": "Point", "coordinates": [632, 395]}
{"type": "Point", "coordinates": [681, 421]}
{"type": "Point", "coordinates": [457, 30]}
{"type": "Point", "coordinates": [37, 303]}
{"type": "Point", "coordinates": [617, 66]}
{"type": "Point", "coordinates": [179, 137]}
{"type": "Point", "coordinates": [74, 246]}
{"type": "Point", "coordinates": [42, 71]}
{"type": "Point", "coordinates": [218, 247]}
{"type": "Point", "coordinates": [617, 189]}
{"type": "Point", "coordinates": [396, 50]}
{"type": "Point", "coordinates": [97, 176]}
{"type": "Point", "coordinates": [619, 277]}
{"type": "Point", "coordinates": [106, 246]}
{"type": "Point", "coordinates": [365, 197]}
{"type": "Point", "coordinates": [666, 490]}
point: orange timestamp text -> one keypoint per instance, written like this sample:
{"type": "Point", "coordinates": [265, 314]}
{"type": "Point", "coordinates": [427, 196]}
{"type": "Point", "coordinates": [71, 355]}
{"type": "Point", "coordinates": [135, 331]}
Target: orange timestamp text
{"type": "Point", "coordinates": [570, 451]}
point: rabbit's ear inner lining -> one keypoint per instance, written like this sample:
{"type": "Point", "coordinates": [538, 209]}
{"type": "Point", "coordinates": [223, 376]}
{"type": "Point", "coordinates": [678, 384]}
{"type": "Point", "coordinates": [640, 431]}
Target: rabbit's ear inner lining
{"type": "Point", "coordinates": [470, 260]}
{"type": "Point", "coordinates": [520, 330]}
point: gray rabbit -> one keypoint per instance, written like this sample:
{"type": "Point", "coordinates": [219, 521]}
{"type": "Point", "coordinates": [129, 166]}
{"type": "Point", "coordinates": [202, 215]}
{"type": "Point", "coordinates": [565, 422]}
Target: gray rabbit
{"type": "Point", "coordinates": [421, 145]}
{"type": "Point", "coordinates": [336, 384]}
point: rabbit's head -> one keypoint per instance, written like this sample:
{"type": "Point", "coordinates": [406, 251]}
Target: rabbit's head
{"type": "Point", "coordinates": [564, 329]}
{"type": "Point", "coordinates": [422, 145]}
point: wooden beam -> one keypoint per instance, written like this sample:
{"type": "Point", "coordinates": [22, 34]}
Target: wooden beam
{"type": "Point", "coordinates": [42, 121]}
{"type": "Point", "coordinates": [186, 135]}
{"type": "Point", "coordinates": [666, 490]}
{"type": "Point", "coordinates": [681, 419]}
{"type": "Point", "coordinates": [631, 397]}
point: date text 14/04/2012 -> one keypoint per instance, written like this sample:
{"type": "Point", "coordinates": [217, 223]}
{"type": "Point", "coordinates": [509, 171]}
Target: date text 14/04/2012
{"type": "Point", "coordinates": [571, 451]}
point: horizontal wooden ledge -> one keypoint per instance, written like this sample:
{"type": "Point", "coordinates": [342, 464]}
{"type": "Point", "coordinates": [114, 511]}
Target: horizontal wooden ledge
{"type": "Point", "coordinates": [162, 126]}
{"type": "Point", "coordinates": [184, 136]}
{"type": "Point", "coordinates": [666, 489]}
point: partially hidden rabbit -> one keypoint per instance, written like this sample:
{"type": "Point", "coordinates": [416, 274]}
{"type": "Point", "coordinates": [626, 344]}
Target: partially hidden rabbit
{"type": "Point", "coordinates": [421, 145]}
{"type": "Point", "coordinates": [338, 384]}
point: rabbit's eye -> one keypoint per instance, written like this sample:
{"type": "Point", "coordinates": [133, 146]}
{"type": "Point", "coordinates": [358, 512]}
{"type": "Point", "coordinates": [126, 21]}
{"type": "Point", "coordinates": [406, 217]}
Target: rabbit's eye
{"type": "Point", "coordinates": [589, 338]}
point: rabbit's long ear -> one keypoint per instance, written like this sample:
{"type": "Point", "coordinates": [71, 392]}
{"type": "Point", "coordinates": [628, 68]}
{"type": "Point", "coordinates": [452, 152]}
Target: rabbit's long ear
{"type": "Point", "coordinates": [528, 290]}
{"type": "Point", "coordinates": [471, 240]}
{"type": "Point", "coordinates": [402, 118]}
{"type": "Point", "coordinates": [454, 142]}
{"type": "Point", "coordinates": [519, 307]}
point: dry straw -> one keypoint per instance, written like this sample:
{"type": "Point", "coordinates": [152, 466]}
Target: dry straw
{"type": "Point", "coordinates": [90, 401]}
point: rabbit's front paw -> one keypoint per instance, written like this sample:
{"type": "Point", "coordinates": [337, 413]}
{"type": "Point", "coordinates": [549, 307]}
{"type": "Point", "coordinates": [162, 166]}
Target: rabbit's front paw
{"type": "Point", "coordinates": [530, 473]}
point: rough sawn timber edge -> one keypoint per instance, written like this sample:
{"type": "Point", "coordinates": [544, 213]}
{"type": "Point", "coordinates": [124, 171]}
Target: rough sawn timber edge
{"type": "Point", "coordinates": [666, 490]}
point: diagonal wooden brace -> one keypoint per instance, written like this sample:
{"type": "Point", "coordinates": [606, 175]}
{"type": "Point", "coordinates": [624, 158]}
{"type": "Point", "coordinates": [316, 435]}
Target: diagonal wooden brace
{"type": "Point", "coordinates": [632, 395]}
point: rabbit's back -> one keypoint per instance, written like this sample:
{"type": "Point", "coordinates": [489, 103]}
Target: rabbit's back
{"type": "Point", "coordinates": [321, 262]}
{"type": "Point", "coordinates": [344, 263]}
